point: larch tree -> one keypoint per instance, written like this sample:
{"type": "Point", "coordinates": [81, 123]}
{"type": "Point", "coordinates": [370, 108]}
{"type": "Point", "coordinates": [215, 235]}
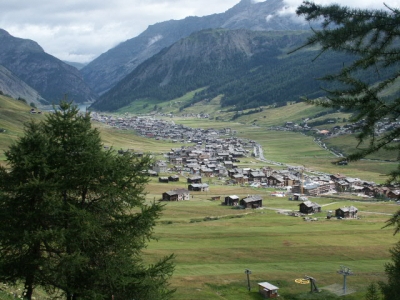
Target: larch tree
{"type": "Point", "coordinates": [369, 87]}
{"type": "Point", "coordinates": [77, 220]}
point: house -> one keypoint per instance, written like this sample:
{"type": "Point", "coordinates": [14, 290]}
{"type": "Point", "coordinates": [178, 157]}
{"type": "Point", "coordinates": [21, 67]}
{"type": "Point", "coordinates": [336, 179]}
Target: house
{"type": "Point", "coordinates": [173, 178]}
{"type": "Point", "coordinates": [276, 180]}
{"type": "Point", "coordinates": [309, 207]}
{"type": "Point", "coordinates": [253, 201]}
{"type": "Point", "coordinates": [346, 212]}
{"type": "Point", "coordinates": [163, 179]}
{"type": "Point", "coordinates": [256, 176]}
{"type": "Point", "coordinates": [395, 194]}
{"type": "Point", "coordinates": [199, 187]}
{"type": "Point", "coordinates": [160, 167]}
{"type": "Point", "coordinates": [232, 200]}
{"type": "Point", "coordinates": [176, 195]}
{"type": "Point", "coordinates": [240, 178]}
{"type": "Point", "coordinates": [194, 179]}
{"type": "Point", "coordinates": [268, 290]}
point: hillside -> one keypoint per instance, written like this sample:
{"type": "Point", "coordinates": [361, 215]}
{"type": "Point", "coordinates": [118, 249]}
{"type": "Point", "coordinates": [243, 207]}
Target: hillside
{"type": "Point", "coordinates": [48, 75]}
{"type": "Point", "coordinates": [13, 114]}
{"type": "Point", "coordinates": [110, 67]}
{"type": "Point", "coordinates": [249, 68]}
{"type": "Point", "coordinates": [13, 86]}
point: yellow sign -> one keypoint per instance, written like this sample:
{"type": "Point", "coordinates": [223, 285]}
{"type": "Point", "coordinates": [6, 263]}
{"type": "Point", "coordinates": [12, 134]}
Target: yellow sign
{"type": "Point", "coordinates": [302, 281]}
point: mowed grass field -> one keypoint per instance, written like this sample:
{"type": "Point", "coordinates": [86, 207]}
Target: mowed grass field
{"type": "Point", "coordinates": [214, 244]}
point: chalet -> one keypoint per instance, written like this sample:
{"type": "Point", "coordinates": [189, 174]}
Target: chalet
{"type": "Point", "coordinates": [346, 212]}
{"type": "Point", "coordinates": [309, 207]}
{"type": "Point", "coordinates": [337, 177]}
{"type": "Point", "coordinates": [276, 180]}
{"type": "Point", "coordinates": [173, 178]}
{"type": "Point", "coordinates": [232, 200]}
{"type": "Point", "coordinates": [176, 160]}
{"type": "Point", "coordinates": [206, 172]}
{"type": "Point", "coordinates": [240, 178]}
{"type": "Point", "coordinates": [253, 201]}
{"type": "Point", "coordinates": [176, 195]}
{"type": "Point", "coordinates": [395, 194]}
{"type": "Point", "coordinates": [163, 179]}
{"type": "Point", "coordinates": [268, 290]}
{"type": "Point", "coordinates": [152, 173]}
{"type": "Point", "coordinates": [194, 179]}
{"type": "Point", "coordinates": [198, 187]}
{"type": "Point", "coordinates": [341, 186]}
{"type": "Point", "coordinates": [256, 176]}
{"type": "Point", "coordinates": [228, 164]}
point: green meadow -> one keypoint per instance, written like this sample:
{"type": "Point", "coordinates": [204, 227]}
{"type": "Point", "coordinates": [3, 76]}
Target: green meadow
{"type": "Point", "coordinates": [214, 244]}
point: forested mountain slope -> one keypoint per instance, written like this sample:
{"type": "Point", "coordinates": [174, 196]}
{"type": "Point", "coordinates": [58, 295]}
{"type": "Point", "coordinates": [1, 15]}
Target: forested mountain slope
{"type": "Point", "coordinates": [110, 67]}
{"type": "Point", "coordinates": [250, 68]}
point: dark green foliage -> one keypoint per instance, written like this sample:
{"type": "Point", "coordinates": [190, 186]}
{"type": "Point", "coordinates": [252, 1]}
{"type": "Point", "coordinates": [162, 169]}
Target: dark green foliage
{"type": "Point", "coordinates": [266, 76]}
{"type": "Point", "coordinates": [373, 36]}
{"type": "Point", "coordinates": [73, 216]}
{"type": "Point", "coordinates": [391, 289]}
{"type": "Point", "coordinates": [369, 85]}
{"type": "Point", "coordinates": [372, 292]}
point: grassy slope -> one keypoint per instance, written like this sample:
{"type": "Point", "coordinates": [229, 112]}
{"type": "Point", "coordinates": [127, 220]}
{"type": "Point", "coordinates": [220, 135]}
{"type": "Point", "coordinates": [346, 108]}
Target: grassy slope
{"type": "Point", "coordinates": [211, 256]}
{"type": "Point", "coordinates": [13, 114]}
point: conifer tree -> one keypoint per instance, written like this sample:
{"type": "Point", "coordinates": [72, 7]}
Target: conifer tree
{"type": "Point", "coordinates": [369, 87]}
{"type": "Point", "coordinates": [79, 214]}
{"type": "Point", "coordinates": [370, 84]}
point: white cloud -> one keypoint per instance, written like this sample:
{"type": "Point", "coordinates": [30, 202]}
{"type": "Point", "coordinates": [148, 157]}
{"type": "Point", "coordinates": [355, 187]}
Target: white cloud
{"type": "Point", "coordinates": [80, 30]}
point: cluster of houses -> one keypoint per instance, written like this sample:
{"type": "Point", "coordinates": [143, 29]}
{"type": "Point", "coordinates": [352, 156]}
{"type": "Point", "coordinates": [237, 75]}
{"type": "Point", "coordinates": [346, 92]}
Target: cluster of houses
{"type": "Point", "coordinates": [380, 128]}
{"type": "Point", "coordinates": [216, 153]}
{"type": "Point", "coordinates": [220, 157]}
{"type": "Point", "coordinates": [160, 129]}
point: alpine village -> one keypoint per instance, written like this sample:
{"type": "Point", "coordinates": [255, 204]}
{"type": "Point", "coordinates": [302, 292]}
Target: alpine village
{"type": "Point", "coordinates": [210, 157]}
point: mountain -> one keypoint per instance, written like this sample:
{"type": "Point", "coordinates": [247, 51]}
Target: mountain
{"type": "Point", "coordinates": [110, 67]}
{"type": "Point", "coordinates": [13, 86]}
{"type": "Point", "coordinates": [51, 77]}
{"type": "Point", "coordinates": [250, 68]}
{"type": "Point", "coordinates": [75, 64]}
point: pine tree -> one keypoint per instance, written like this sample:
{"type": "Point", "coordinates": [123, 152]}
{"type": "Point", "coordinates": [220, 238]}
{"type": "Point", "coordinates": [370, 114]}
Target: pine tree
{"type": "Point", "coordinates": [81, 220]}
{"type": "Point", "coordinates": [369, 85]}
{"type": "Point", "coordinates": [391, 288]}
{"type": "Point", "coordinates": [372, 292]}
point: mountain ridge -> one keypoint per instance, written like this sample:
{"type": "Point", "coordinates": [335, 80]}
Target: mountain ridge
{"type": "Point", "coordinates": [112, 66]}
{"type": "Point", "coordinates": [48, 75]}
{"type": "Point", "coordinates": [249, 68]}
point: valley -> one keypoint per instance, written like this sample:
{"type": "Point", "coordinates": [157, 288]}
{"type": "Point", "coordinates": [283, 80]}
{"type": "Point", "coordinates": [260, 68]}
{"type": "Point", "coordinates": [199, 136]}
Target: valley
{"type": "Point", "coordinates": [251, 176]}
{"type": "Point", "coordinates": [214, 243]}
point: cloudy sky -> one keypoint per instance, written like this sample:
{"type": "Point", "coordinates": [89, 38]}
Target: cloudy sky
{"type": "Point", "coordinates": [80, 30]}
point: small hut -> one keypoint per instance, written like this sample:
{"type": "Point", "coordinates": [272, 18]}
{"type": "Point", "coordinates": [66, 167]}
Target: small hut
{"type": "Point", "coordinates": [268, 290]}
{"type": "Point", "coordinates": [309, 207]}
{"type": "Point", "coordinates": [346, 212]}
{"type": "Point", "coordinates": [253, 201]}
{"type": "Point", "coordinates": [232, 200]}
